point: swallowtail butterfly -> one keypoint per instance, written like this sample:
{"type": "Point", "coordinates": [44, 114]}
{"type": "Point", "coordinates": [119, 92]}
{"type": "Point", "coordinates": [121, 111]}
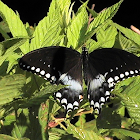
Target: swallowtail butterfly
{"type": "Point", "coordinates": [101, 70]}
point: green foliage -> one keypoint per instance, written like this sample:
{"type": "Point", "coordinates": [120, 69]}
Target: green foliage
{"type": "Point", "coordinates": [130, 97]}
{"type": "Point", "coordinates": [27, 108]}
{"type": "Point", "coordinates": [10, 87]}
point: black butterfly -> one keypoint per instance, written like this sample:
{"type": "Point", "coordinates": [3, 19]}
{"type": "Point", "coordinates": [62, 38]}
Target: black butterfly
{"type": "Point", "coordinates": [101, 70]}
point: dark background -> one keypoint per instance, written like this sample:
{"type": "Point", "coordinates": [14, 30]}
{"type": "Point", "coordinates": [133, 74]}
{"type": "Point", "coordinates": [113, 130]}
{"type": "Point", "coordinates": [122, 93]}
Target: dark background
{"type": "Point", "coordinates": [34, 11]}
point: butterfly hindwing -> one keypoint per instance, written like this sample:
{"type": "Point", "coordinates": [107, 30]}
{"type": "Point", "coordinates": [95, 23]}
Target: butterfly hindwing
{"type": "Point", "coordinates": [58, 65]}
{"type": "Point", "coordinates": [106, 67]}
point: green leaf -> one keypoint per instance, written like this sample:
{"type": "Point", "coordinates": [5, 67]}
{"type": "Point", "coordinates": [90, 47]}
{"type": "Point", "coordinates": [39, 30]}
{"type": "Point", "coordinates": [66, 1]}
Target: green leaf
{"type": "Point", "coordinates": [2, 49]}
{"type": "Point", "coordinates": [107, 36]}
{"type": "Point", "coordinates": [82, 134]}
{"type": "Point", "coordinates": [55, 108]}
{"type": "Point", "coordinates": [9, 46]}
{"type": "Point", "coordinates": [10, 87]}
{"type": "Point", "coordinates": [102, 19]}
{"type": "Point", "coordinates": [21, 125]}
{"type": "Point", "coordinates": [93, 45]}
{"type": "Point", "coordinates": [128, 33]}
{"type": "Point", "coordinates": [91, 125]}
{"type": "Point", "coordinates": [6, 137]}
{"type": "Point", "coordinates": [12, 61]}
{"type": "Point", "coordinates": [4, 29]}
{"type": "Point", "coordinates": [57, 134]}
{"type": "Point", "coordinates": [127, 133]}
{"type": "Point", "coordinates": [109, 120]}
{"type": "Point", "coordinates": [43, 115]}
{"type": "Point", "coordinates": [128, 91]}
{"type": "Point", "coordinates": [128, 45]}
{"type": "Point", "coordinates": [42, 95]}
{"type": "Point", "coordinates": [47, 33]}
{"type": "Point", "coordinates": [9, 120]}
{"type": "Point", "coordinates": [16, 26]}
{"type": "Point", "coordinates": [76, 30]}
{"type": "Point", "coordinates": [63, 8]}
{"type": "Point", "coordinates": [105, 15]}
{"type": "Point", "coordinates": [81, 121]}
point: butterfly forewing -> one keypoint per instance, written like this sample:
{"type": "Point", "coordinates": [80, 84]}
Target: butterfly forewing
{"type": "Point", "coordinates": [58, 65]}
{"type": "Point", "coordinates": [115, 64]}
{"type": "Point", "coordinates": [106, 67]}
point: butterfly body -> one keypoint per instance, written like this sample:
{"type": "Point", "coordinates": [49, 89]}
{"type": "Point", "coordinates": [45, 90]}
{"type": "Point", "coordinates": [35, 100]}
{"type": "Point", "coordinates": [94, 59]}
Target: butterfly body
{"type": "Point", "coordinates": [101, 70]}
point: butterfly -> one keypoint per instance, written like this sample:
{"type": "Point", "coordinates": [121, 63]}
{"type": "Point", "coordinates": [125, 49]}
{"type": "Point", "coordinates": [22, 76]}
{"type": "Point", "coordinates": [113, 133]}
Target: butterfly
{"type": "Point", "coordinates": [100, 69]}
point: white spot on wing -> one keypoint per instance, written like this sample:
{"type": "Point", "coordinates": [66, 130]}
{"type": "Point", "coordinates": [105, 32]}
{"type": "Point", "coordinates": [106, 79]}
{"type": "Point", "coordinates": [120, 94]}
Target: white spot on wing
{"type": "Point", "coordinates": [53, 78]}
{"type": "Point", "coordinates": [64, 101]}
{"type": "Point", "coordinates": [96, 105]}
{"type": "Point", "coordinates": [131, 72]}
{"type": "Point", "coordinates": [107, 98]}
{"type": "Point", "coordinates": [75, 107]}
{"type": "Point", "coordinates": [105, 74]}
{"type": "Point", "coordinates": [97, 82]}
{"type": "Point", "coordinates": [92, 102]}
{"type": "Point", "coordinates": [136, 71]}
{"type": "Point", "coordinates": [116, 68]}
{"type": "Point", "coordinates": [62, 76]}
{"type": "Point", "coordinates": [102, 104]}
{"type": "Point", "coordinates": [37, 70]}
{"type": "Point", "coordinates": [102, 99]}
{"type": "Point", "coordinates": [110, 80]}
{"type": "Point", "coordinates": [42, 72]}
{"type": "Point", "coordinates": [75, 103]}
{"type": "Point", "coordinates": [33, 68]}
{"type": "Point", "coordinates": [72, 84]}
{"type": "Point", "coordinates": [47, 75]}
{"type": "Point", "coordinates": [64, 106]}
{"type": "Point", "coordinates": [69, 106]}
{"type": "Point", "coordinates": [107, 93]}
{"type": "Point", "coordinates": [28, 67]}
{"type": "Point", "coordinates": [116, 78]}
{"type": "Point", "coordinates": [126, 73]}
{"type": "Point", "coordinates": [111, 70]}
{"type": "Point", "coordinates": [58, 95]}
{"type": "Point", "coordinates": [121, 75]}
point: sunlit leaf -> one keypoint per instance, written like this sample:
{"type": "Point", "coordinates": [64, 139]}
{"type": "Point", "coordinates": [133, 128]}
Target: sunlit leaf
{"type": "Point", "coordinates": [82, 134]}
{"type": "Point", "coordinates": [16, 26]}
{"type": "Point", "coordinates": [107, 36]}
{"type": "Point", "coordinates": [9, 46]}
{"type": "Point", "coordinates": [10, 87]}
{"type": "Point", "coordinates": [76, 30]}
{"type": "Point", "coordinates": [129, 93]}
{"type": "Point", "coordinates": [128, 33]}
